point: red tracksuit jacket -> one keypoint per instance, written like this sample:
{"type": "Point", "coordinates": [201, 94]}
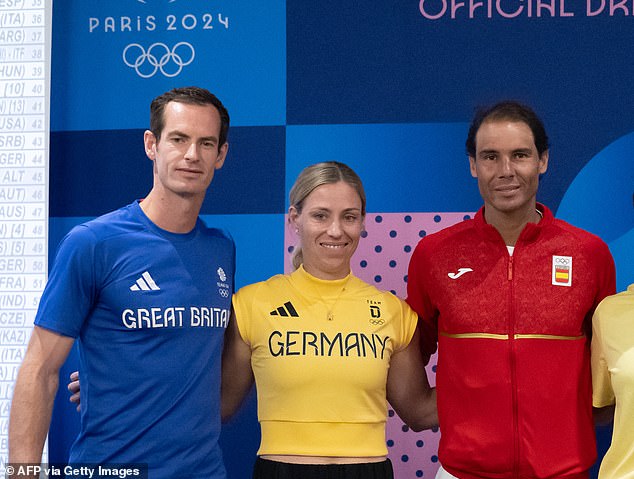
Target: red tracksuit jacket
{"type": "Point", "coordinates": [513, 376]}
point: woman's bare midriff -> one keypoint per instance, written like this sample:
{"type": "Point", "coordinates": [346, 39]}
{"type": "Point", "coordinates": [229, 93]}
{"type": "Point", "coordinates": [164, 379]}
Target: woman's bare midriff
{"type": "Point", "coordinates": [322, 459]}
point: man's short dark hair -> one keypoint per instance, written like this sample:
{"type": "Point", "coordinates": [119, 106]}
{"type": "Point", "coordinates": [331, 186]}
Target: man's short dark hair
{"type": "Point", "coordinates": [508, 110]}
{"type": "Point", "coordinates": [191, 95]}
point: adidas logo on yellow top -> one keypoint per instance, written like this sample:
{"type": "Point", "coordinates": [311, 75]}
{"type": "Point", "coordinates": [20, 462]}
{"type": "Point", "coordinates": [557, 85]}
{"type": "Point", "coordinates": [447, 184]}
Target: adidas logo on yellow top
{"type": "Point", "coordinates": [287, 309]}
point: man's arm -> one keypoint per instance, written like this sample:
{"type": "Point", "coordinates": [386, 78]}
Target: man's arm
{"type": "Point", "coordinates": [34, 393]}
{"type": "Point", "coordinates": [408, 389]}
{"type": "Point", "coordinates": [237, 376]}
{"type": "Point", "coordinates": [418, 297]}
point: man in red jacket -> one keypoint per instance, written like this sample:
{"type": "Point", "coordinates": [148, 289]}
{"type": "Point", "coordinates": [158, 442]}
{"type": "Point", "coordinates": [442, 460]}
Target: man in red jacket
{"type": "Point", "coordinates": [507, 298]}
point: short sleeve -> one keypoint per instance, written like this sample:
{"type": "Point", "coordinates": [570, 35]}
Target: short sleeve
{"type": "Point", "coordinates": [243, 309]}
{"type": "Point", "coordinates": [406, 324]}
{"type": "Point", "coordinates": [71, 288]}
{"type": "Point", "coordinates": [602, 392]}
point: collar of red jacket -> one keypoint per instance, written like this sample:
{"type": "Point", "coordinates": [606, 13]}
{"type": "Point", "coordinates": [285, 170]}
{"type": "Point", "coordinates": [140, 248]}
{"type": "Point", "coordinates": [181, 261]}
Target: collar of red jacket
{"type": "Point", "coordinates": [529, 234]}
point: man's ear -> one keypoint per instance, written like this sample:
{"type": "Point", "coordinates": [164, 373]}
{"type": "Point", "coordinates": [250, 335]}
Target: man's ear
{"type": "Point", "coordinates": [472, 167]}
{"type": "Point", "coordinates": [543, 162]}
{"type": "Point", "coordinates": [149, 141]}
{"type": "Point", "coordinates": [222, 156]}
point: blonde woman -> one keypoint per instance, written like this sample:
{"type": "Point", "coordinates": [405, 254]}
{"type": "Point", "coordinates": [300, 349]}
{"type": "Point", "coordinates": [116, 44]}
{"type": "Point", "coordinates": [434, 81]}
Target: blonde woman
{"type": "Point", "coordinates": [327, 350]}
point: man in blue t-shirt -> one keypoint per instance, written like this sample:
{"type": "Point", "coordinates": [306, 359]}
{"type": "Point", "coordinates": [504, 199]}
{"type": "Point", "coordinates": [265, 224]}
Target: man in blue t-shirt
{"type": "Point", "coordinates": [146, 291]}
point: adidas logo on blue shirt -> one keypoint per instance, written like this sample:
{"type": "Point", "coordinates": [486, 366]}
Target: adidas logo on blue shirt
{"type": "Point", "coordinates": [145, 283]}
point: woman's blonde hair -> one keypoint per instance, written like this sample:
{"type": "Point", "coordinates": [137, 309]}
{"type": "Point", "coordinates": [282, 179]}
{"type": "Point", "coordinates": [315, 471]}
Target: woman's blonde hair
{"type": "Point", "coordinates": [314, 176]}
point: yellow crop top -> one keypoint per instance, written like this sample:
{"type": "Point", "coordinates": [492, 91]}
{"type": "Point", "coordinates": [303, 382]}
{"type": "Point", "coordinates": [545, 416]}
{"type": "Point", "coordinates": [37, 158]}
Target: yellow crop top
{"type": "Point", "coordinates": [613, 377]}
{"type": "Point", "coordinates": [321, 383]}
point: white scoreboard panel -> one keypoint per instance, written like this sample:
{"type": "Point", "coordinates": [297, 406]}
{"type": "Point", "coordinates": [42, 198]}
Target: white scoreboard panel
{"type": "Point", "coordinates": [25, 51]}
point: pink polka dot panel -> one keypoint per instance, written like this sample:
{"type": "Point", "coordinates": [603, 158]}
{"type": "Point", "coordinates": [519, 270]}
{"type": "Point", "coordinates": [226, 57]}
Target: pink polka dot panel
{"type": "Point", "coordinates": [382, 259]}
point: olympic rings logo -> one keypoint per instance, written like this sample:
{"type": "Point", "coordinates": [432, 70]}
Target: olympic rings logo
{"type": "Point", "coordinates": [224, 293]}
{"type": "Point", "coordinates": [158, 57]}
{"type": "Point", "coordinates": [562, 261]}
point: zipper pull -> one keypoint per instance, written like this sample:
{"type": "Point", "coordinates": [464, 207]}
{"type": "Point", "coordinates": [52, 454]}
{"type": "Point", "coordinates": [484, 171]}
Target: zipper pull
{"type": "Point", "coordinates": [510, 268]}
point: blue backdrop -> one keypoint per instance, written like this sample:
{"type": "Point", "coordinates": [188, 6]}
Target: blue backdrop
{"type": "Point", "coordinates": [387, 86]}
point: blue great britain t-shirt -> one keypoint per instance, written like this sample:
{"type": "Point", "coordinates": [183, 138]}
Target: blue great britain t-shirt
{"type": "Point", "coordinates": [149, 309]}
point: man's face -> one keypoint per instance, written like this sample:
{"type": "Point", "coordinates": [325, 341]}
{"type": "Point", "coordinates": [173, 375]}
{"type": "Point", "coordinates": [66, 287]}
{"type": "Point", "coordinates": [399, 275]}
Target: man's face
{"type": "Point", "coordinates": [507, 166]}
{"type": "Point", "coordinates": [187, 154]}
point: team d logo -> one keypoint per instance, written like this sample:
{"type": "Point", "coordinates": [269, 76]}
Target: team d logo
{"type": "Point", "coordinates": [375, 313]}
{"type": "Point", "coordinates": [562, 270]}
